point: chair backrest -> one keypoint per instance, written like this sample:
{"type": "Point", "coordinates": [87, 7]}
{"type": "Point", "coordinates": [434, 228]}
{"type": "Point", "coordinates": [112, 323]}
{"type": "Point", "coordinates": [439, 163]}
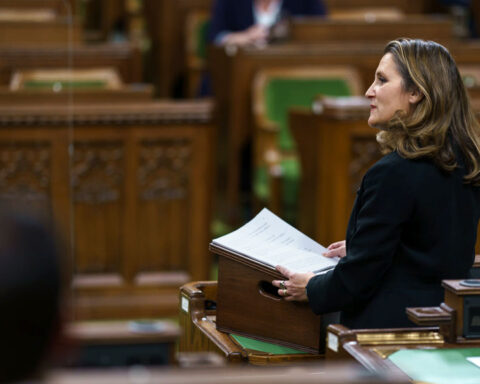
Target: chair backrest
{"type": "Point", "coordinates": [197, 24]}
{"type": "Point", "coordinates": [277, 90]}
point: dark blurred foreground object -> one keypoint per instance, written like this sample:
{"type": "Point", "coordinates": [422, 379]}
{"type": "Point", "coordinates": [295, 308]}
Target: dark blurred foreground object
{"type": "Point", "coordinates": [30, 291]}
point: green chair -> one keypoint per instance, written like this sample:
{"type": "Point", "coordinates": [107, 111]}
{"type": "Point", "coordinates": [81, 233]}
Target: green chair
{"type": "Point", "coordinates": [276, 166]}
{"type": "Point", "coordinates": [197, 24]}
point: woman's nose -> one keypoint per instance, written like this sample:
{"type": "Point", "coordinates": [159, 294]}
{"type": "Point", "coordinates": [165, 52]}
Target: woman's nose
{"type": "Point", "coordinates": [369, 92]}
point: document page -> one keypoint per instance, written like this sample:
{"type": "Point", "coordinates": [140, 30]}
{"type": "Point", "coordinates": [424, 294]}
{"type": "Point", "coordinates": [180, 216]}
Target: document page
{"type": "Point", "coordinates": [271, 241]}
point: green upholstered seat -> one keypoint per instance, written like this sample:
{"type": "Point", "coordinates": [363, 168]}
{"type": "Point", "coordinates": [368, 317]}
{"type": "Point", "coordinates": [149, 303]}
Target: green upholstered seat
{"type": "Point", "coordinates": [281, 94]}
{"type": "Point", "coordinates": [262, 346]}
{"type": "Point", "coordinates": [439, 366]}
{"type": "Point", "coordinates": [201, 31]}
{"type": "Point", "coordinates": [64, 84]}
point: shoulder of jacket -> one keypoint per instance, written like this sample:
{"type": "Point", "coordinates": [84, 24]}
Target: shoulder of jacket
{"type": "Point", "coordinates": [391, 162]}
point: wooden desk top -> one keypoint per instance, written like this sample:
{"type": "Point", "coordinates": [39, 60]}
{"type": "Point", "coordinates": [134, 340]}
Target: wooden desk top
{"type": "Point", "coordinates": [122, 332]}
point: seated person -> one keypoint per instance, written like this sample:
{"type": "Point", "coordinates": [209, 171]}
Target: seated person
{"type": "Point", "coordinates": [415, 218]}
{"type": "Point", "coordinates": [30, 290]}
{"type": "Point", "coordinates": [244, 22]}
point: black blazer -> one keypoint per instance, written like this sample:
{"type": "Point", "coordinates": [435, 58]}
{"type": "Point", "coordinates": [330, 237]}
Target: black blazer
{"type": "Point", "coordinates": [412, 225]}
{"type": "Point", "coordinates": [237, 15]}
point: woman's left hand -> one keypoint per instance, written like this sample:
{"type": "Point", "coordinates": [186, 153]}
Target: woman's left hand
{"type": "Point", "coordinates": [293, 288]}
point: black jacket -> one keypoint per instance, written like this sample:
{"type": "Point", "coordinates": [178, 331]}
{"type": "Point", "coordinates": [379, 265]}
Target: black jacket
{"type": "Point", "coordinates": [412, 226]}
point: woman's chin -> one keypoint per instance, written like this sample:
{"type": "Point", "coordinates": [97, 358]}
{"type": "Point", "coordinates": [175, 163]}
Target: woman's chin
{"type": "Point", "coordinates": [374, 123]}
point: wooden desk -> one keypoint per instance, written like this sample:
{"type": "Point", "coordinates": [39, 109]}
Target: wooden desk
{"type": "Point", "coordinates": [132, 201]}
{"type": "Point", "coordinates": [58, 31]}
{"type": "Point", "coordinates": [128, 94]}
{"type": "Point", "coordinates": [407, 6]}
{"type": "Point", "coordinates": [126, 58]}
{"type": "Point", "coordinates": [437, 354]}
{"type": "Point", "coordinates": [317, 30]}
{"type": "Point", "coordinates": [234, 69]}
{"type": "Point", "coordinates": [375, 349]}
{"type": "Point", "coordinates": [336, 149]}
{"type": "Point", "coordinates": [197, 319]}
{"type": "Point", "coordinates": [58, 6]}
{"type": "Point", "coordinates": [120, 343]}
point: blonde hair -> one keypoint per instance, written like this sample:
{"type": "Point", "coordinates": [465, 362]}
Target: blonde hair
{"type": "Point", "coordinates": [442, 122]}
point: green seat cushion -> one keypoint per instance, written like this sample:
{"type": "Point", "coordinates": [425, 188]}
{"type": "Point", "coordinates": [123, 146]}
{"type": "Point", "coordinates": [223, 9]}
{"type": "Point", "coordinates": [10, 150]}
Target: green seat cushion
{"type": "Point", "coordinates": [76, 84]}
{"type": "Point", "coordinates": [201, 39]}
{"type": "Point", "coordinates": [283, 93]}
{"type": "Point", "coordinates": [439, 366]}
{"type": "Point", "coordinates": [262, 346]}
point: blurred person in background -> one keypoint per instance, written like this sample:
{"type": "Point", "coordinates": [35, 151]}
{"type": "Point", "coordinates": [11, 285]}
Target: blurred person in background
{"type": "Point", "coordinates": [248, 22]}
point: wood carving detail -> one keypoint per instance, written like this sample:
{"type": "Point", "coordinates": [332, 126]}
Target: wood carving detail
{"type": "Point", "coordinates": [97, 171]}
{"type": "Point", "coordinates": [364, 153]}
{"type": "Point", "coordinates": [163, 173]}
{"type": "Point", "coordinates": [25, 170]}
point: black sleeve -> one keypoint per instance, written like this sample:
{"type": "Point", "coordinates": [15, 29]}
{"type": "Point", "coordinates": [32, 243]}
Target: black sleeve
{"type": "Point", "coordinates": [317, 7]}
{"type": "Point", "coordinates": [384, 204]}
{"type": "Point", "coordinates": [218, 21]}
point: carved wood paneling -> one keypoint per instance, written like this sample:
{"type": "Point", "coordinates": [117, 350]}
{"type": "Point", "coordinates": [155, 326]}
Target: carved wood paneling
{"type": "Point", "coordinates": [97, 171]}
{"type": "Point", "coordinates": [163, 172]}
{"type": "Point", "coordinates": [133, 241]}
{"type": "Point", "coordinates": [365, 152]}
{"type": "Point", "coordinates": [25, 170]}
{"type": "Point", "coordinates": [125, 113]}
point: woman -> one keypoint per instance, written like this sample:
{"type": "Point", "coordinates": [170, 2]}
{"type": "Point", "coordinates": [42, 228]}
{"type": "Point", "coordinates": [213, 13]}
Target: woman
{"type": "Point", "coordinates": [247, 22]}
{"type": "Point", "coordinates": [415, 218]}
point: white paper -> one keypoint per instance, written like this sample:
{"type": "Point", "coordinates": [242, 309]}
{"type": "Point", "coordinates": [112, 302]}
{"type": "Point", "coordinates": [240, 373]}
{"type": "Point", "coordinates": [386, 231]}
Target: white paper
{"type": "Point", "coordinates": [474, 360]}
{"type": "Point", "coordinates": [270, 240]}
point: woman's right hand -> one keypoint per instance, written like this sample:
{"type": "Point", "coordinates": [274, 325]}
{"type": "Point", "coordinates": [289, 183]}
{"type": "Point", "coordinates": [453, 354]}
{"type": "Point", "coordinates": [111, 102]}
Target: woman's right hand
{"type": "Point", "coordinates": [337, 249]}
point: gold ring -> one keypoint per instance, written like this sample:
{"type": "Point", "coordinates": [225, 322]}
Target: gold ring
{"type": "Point", "coordinates": [284, 292]}
{"type": "Point", "coordinates": [282, 284]}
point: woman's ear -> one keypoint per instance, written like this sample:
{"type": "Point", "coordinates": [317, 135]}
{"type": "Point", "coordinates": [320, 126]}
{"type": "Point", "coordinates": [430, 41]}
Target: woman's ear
{"type": "Point", "coordinates": [415, 96]}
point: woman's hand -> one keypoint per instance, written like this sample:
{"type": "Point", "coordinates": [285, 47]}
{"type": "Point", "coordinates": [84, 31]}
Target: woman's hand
{"type": "Point", "coordinates": [338, 249]}
{"type": "Point", "coordinates": [293, 287]}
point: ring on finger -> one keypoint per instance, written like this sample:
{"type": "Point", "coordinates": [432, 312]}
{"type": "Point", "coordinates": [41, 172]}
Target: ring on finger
{"type": "Point", "coordinates": [284, 292]}
{"type": "Point", "coordinates": [282, 284]}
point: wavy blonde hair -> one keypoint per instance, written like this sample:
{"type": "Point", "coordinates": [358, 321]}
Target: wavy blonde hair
{"type": "Point", "coordinates": [443, 122]}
